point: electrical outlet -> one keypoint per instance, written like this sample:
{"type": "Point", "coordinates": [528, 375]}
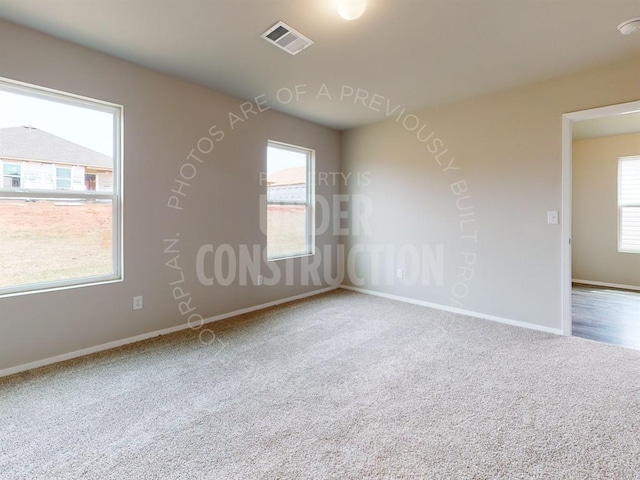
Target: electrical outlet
{"type": "Point", "coordinates": [259, 280]}
{"type": "Point", "coordinates": [400, 273]}
{"type": "Point", "coordinates": [137, 303]}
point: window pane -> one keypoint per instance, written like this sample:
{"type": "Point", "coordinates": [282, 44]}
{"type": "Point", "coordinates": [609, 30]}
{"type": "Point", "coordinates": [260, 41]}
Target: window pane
{"type": "Point", "coordinates": [629, 187]}
{"type": "Point", "coordinates": [287, 232]}
{"type": "Point", "coordinates": [11, 169]}
{"type": "Point", "coordinates": [630, 229]}
{"type": "Point", "coordinates": [59, 193]}
{"type": "Point", "coordinates": [63, 173]}
{"type": "Point", "coordinates": [46, 135]}
{"type": "Point", "coordinates": [54, 240]}
{"type": "Point", "coordinates": [10, 182]}
{"type": "Point", "coordinates": [288, 209]}
{"type": "Point", "coordinates": [63, 179]}
{"type": "Point", "coordinates": [11, 175]}
{"type": "Point", "coordinates": [286, 175]}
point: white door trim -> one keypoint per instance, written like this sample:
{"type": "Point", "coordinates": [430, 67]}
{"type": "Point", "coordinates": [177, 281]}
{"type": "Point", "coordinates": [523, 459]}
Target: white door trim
{"type": "Point", "coordinates": [567, 160]}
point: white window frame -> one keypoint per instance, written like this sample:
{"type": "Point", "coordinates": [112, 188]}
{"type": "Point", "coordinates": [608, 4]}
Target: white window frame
{"type": "Point", "coordinates": [116, 196]}
{"type": "Point", "coordinates": [17, 164]}
{"type": "Point", "coordinates": [622, 248]}
{"type": "Point", "coordinates": [309, 201]}
{"type": "Point", "coordinates": [58, 178]}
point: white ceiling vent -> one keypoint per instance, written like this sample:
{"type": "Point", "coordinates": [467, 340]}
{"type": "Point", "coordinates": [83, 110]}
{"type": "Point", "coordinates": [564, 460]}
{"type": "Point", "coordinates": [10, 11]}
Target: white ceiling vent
{"type": "Point", "coordinates": [283, 36]}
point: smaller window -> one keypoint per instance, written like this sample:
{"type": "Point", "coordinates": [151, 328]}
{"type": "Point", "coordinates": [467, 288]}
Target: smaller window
{"type": "Point", "coordinates": [629, 204]}
{"type": "Point", "coordinates": [290, 200]}
{"type": "Point", "coordinates": [11, 175]}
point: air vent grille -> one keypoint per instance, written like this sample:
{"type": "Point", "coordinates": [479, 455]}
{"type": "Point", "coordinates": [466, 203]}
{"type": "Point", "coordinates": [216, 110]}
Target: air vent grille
{"type": "Point", "coordinates": [283, 36]}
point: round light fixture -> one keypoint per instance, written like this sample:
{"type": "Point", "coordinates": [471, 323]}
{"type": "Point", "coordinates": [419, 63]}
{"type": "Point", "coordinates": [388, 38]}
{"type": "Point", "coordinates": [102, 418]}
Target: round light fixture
{"type": "Point", "coordinates": [351, 9]}
{"type": "Point", "coordinates": [629, 26]}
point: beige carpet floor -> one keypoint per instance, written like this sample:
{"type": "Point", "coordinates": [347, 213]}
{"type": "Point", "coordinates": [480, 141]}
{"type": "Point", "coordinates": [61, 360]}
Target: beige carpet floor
{"type": "Point", "coordinates": [339, 386]}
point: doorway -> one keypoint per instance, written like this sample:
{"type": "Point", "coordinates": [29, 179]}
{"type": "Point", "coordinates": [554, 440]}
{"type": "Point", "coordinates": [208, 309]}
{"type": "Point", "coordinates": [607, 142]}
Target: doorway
{"type": "Point", "coordinates": [594, 304]}
{"type": "Point", "coordinates": [90, 182]}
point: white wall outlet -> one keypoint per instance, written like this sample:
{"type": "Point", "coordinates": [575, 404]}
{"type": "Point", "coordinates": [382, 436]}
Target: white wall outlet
{"type": "Point", "coordinates": [137, 303]}
{"type": "Point", "coordinates": [400, 273]}
{"type": "Point", "coordinates": [552, 217]}
{"type": "Point", "coordinates": [259, 280]}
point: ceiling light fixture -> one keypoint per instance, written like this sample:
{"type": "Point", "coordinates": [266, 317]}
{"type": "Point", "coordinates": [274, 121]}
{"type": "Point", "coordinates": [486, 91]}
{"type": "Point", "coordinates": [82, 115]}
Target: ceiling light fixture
{"type": "Point", "coordinates": [351, 9]}
{"type": "Point", "coordinates": [629, 26]}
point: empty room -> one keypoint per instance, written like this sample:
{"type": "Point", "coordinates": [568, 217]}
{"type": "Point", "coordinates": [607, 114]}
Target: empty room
{"type": "Point", "coordinates": [319, 239]}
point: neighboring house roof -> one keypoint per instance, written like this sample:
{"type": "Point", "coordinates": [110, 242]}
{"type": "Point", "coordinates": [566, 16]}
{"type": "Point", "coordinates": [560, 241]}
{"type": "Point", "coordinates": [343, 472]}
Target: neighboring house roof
{"type": "Point", "coordinates": [288, 176]}
{"type": "Point", "coordinates": [29, 143]}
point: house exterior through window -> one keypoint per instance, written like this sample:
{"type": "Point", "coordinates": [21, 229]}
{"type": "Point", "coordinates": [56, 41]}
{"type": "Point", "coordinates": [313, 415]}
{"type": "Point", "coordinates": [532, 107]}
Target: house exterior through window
{"type": "Point", "coordinates": [35, 159]}
{"type": "Point", "coordinates": [290, 201]}
{"type": "Point", "coordinates": [60, 192]}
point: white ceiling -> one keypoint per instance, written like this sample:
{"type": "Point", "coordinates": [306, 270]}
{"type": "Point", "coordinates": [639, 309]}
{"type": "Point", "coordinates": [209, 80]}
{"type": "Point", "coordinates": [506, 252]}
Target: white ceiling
{"type": "Point", "coordinates": [414, 53]}
{"type": "Point", "coordinates": [607, 126]}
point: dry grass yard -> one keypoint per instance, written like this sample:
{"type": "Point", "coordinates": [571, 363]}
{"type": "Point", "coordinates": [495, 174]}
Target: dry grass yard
{"type": "Point", "coordinates": [45, 241]}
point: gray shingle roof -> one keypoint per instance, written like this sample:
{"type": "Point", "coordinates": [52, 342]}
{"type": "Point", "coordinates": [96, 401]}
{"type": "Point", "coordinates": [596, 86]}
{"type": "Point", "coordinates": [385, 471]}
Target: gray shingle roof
{"type": "Point", "coordinates": [29, 143]}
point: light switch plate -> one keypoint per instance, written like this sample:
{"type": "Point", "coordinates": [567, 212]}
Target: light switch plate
{"type": "Point", "coordinates": [552, 217]}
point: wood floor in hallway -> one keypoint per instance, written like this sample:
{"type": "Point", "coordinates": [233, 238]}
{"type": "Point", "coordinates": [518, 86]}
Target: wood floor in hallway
{"type": "Point", "coordinates": [606, 315]}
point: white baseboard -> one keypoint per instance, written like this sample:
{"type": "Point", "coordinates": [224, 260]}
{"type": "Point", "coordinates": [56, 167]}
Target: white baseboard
{"type": "Point", "coordinates": [446, 308]}
{"type": "Point", "coordinates": [138, 338]}
{"type": "Point", "coordinates": [606, 284]}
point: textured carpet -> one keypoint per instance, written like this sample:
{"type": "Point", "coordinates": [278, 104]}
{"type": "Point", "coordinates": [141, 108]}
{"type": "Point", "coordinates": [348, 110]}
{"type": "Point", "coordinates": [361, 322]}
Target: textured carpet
{"type": "Point", "coordinates": [339, 386]}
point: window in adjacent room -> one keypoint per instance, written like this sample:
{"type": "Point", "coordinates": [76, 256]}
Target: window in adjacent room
{"type": "Point", "coordinates": [629, 204]}
{"type": "Point", "coordinates": [290, 200]}
{"type": "Point", "coordinates": [60, 195]}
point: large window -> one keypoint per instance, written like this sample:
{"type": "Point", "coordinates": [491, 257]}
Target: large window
{"type": "Point", "coordinates": [60, 196]}
{"type": "Point", "coordinates": [629, 204]}
{"type": "Point", "coordinates": [290, 199]}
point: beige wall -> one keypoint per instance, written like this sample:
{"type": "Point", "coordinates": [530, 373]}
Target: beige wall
{"type": "Point", "coordinates": [164, 118]}
{"type": "Point", "coordinates": [595, 211]}
{"type": "Point", "coordinates": [508, 147]}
